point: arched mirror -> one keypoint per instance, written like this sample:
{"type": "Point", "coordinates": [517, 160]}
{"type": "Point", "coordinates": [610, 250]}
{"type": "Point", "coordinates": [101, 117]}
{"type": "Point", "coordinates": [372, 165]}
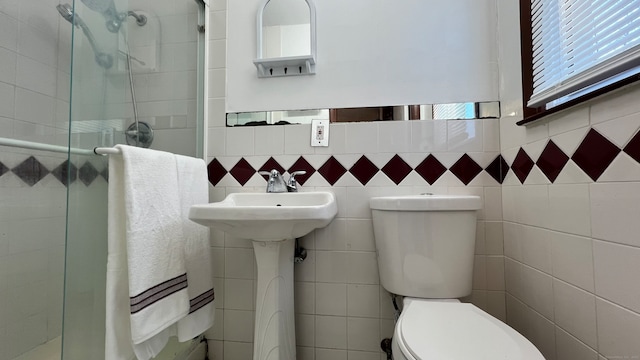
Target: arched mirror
{"type": "Point", "coordinates": [286, 38]}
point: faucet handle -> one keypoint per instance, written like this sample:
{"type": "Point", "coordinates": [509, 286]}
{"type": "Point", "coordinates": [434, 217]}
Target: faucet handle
{"type": "Point", "coordinates": [292, 177]}
{"type": "Point", "coordinates": [292, 184]}
{"type": "Point", "coordinates": [265, 172]}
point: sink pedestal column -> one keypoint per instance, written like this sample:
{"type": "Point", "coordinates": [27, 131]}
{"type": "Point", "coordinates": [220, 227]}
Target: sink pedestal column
{"type": "Point", "coordinates": [274, 336]}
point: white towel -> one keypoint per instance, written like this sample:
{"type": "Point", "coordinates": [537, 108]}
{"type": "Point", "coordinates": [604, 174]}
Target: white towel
{"type": "Point", "coordinates": [146, 272]}
{"type": "Point", "coordinates": [194, 189]}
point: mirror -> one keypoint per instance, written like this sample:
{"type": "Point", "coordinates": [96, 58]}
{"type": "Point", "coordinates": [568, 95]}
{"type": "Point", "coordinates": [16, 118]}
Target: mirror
{"type": "Point", "coordinates": [455, 111]}
{"type": "Point", "coordinates": [286, 29]}
{"type": "Point", "coordinates": [286, 38]}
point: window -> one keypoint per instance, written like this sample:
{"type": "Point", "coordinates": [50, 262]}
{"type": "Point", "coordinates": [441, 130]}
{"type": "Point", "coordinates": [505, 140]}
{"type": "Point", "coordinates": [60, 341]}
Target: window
{"type": "Point", "coordinates": [576, 49]}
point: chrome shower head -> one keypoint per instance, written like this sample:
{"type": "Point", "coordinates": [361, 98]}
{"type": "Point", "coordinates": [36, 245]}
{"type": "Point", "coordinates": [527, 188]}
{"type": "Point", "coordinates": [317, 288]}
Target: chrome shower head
{"type": "Point", "coordinates": [66, 11]}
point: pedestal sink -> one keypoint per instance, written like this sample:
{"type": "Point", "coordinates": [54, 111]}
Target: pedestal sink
{"type": "Point", "coordinates": [273, 221]}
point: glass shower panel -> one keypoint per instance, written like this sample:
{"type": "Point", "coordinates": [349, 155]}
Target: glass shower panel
{"type": "Point", "coordinates": [162, 53]}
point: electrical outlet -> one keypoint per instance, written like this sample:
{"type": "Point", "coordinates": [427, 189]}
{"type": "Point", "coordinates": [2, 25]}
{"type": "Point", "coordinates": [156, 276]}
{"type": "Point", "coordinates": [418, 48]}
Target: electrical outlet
{"type": "Point", "coordinates": [319, 132]}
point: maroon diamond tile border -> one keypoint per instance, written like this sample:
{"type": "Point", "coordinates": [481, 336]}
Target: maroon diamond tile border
{"type": "Point", "coordinates": [593, 155]}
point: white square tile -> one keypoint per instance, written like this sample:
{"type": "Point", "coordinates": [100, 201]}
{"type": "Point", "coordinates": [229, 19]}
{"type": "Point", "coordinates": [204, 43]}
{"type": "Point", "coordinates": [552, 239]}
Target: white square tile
{"type": "Point", "coordinates": [569, 209]}
{"type": "Point", "coordinates": [614, 207]}
{"type": "Point", "coordinates": [465, 135]}
{"type": "Point", "coordinates": [305, 330]}
{"type": "Point", "coordinates": [491, 134]}
{"type": "Point", "coordinates": [269, 140]}
{"type": "Point", "coordinates": [363, 334]}
{"type": "Point", "coordinates": [331, 332]}
{"type": "Point", "coordinates": [331, 299]}
{"type": "Point", "coordinates": [331, 266]}
{"type": "Point", "coordinates": [8, 32]}
{"type": "Point", "coordinates": [536, 248]}
{"type": "Point", "coordinates": [362, 268]}
{"type": "Point", "coordinates": [495, 272]}
{"type": "Point", "coordinates": [394, 136]}
{"type": "Point", "coordinates": [305, 297]}
{"type": "Point", "coordinates": [237, 350]}
{"type": "Point", "coordinates": [7, 96]}
{"type": "Point", "coordinates": [238, 325]}
{"type": "Point", "coordinates": [480, 272]}
{"type": "Point", "coordinates": [360, 235]}
{"type": "Point", "coordinates": [239, 263]}
{"type": "Point", "coordinates": [25, 109]}
{"type": "Point", "coordinates": [617, 269]}
{"type": "Point", "coordinates": [572, 259]}
{"type": "Point", "coordinates": [537, 291]}
{"type": "Point", "coordinates": [331, 354]}
{"type": "Point", "coordinates": [240, 141]}
{"type": "Point", "coordinates": [494, 238]}
{"type": "Point", "coordinates": [570, 348]}
{"type": "Point", "coordinates": [333, 236]}
{"type": "Point", "coordinates": [618, 330]}
{"type": "Point", "coordinates": [238, 294]}
{"type": "Point", "coordinates": [362, 138]}
{"type": "Point", "coordinates": [575, 312]}
{"type": "Point", "coordinates": [363, 300]}
{"type": "Point", "coordinates": [428, 136]}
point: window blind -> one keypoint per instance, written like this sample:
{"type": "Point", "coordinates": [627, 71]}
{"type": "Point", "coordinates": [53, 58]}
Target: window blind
{"type": "Point", "coordinates": [579, 43]}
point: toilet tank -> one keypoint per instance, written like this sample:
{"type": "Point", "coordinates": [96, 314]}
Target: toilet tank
{"type": "Point", "coordinates": [425, 244]}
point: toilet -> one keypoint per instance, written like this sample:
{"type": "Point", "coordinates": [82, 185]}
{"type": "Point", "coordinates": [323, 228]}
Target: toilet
{"type": "Point", "coordinates": [425, 246]}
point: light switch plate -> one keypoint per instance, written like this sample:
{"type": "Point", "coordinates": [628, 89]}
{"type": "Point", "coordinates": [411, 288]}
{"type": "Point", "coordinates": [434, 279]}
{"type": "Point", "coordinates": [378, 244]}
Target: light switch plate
{"type": "Point", "coordinates": [319, 132]}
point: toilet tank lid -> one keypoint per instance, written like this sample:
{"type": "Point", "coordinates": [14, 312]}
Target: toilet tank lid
{"type": "Point", "coordinates": [426, 202]}
{"type": "Point", "coordinates": [445, 330]}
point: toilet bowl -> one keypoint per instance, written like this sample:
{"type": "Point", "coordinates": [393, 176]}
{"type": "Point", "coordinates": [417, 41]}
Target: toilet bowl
{"type": "Point", "coordinates": [425, 246]}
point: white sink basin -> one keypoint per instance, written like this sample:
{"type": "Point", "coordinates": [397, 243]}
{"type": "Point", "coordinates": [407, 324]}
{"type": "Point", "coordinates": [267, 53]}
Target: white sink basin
{"type": "Point", "coordinates": [268, 216]}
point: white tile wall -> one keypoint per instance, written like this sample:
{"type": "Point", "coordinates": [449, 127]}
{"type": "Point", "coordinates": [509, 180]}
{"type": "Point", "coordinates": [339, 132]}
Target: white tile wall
{"type": "Point", "coordinates": [572, 247]}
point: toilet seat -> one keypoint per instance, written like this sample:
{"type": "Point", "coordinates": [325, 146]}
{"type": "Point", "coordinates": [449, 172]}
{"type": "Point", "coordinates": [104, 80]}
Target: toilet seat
{"type": "Point", "coordinates": [450, 330]}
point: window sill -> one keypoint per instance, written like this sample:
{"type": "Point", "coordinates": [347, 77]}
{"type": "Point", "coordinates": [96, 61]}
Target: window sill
{"type": "Point", "coordinates": [579, 100]}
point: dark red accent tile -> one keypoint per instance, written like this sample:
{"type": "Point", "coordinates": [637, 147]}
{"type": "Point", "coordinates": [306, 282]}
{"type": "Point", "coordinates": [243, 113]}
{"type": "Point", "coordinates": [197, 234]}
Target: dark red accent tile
{"type": "Point", "coordinates": [271, 164]}
{"type": "Point", "coordinates": [215, 171]}
{"type": "Point", "coordinates": [522, 165]}
{"type": "Point", "coordinates": [364, 170]}
{"type": "Point", "coordinates": [242, 171]}
{"type": "Point", "coordinates": [302, 164]}
{"type": "Point", "coordinates": [3, 169]}
{"type": "Point", "coordinates": [66, 173]}
{"type": "Point", "coordinates": [396, 169]}
{"type": "Point", "coordinates": [632, 149]}
{"type": "Point", "coordinates": [431, 169]}
{"type": "Point", "coordinates": [595, 154]}
{"type": "Point", "coordinates": [498, 169]}
{"type": "Point", "coordinates": [332, 170]}
{"type": "Point", "coordinates": [552, 161]}
{"type": "Point", "coordinates": [30, 171]}
{"type": "Point", "coordinates": [87, 173]}
{"type": "Point", "coordinates": [466, 169]}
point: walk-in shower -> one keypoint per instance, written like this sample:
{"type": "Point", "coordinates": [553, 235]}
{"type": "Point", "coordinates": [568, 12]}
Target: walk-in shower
{"type": "Point", "coordinates": [73, 91]}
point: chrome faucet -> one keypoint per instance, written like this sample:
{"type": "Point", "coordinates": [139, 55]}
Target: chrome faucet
{"type": "Point", "coordinates": [276, 183]}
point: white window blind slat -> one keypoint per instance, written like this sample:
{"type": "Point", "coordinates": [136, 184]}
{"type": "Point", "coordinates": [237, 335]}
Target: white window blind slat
{"type": "Point", "coordinates": [577, 43]}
